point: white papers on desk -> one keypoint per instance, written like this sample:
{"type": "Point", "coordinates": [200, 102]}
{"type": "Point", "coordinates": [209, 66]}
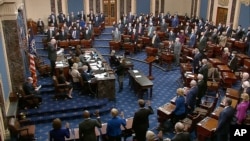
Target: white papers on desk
{"type": "Point", "coordinates": [190, 58]}
{"type": "Point", "coordinates": [137, 76]}
{"type": "Point", "coordinates": [93, 64]}
{"type": "Point", "coordinates": [94, 68]}
{"type": "Point", "coordinates": [190, 76]}
{"type": "Point", "coordinates": [135, 71]}
{"type": "Point", "coordinates": [102, 75]}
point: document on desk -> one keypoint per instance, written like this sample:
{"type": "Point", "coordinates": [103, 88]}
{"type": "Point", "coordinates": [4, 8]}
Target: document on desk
{"type": "Point", "coordinates": [93, 64]}
{"type": "Point", "coordinates": [137, 76]}
{"type": "Point", "coordinates": [94, 68]}
{"type": "Point", "coordinates": [135, 71]}
{"type": "Point", "coordinates": [59, 65]}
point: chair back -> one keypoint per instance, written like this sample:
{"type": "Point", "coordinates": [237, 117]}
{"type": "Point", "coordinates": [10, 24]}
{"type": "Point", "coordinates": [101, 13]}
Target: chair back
{"type": "Point", "coordinates": [13, 126]}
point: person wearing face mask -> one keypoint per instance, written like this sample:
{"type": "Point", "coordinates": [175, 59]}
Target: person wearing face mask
{"type": "Point", "coordinates": [233, 63]}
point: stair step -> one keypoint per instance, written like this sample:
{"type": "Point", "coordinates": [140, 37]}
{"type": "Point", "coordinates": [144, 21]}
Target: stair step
{"type": "Point", "coordinates": [68, 115]}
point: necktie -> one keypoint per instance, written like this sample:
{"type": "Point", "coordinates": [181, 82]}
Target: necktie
{"type": "Point", "coordinates": [139, 30]}
{"type": "Point", "coordinates": [74, 34]}
{"type": "Point", "coordinates": [153, 40]}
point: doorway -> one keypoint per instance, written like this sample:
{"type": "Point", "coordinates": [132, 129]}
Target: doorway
{"type": "Point", "coordinates": [109, 11]}
{"type": "Point", "coordinates": [221, 15]}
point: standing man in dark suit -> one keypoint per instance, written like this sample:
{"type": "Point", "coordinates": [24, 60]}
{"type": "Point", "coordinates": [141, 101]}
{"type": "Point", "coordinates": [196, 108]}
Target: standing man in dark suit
{"type": "Point", "coordinates": [87, 127]}
{"type": "Point", "coordinates": [225, 117]}
{"type": "Point", "coordinates": [233, 63]}
{"type": "Point", "coordinates": [202, 44]}
{"type": "Point", "coordinates": [52, 48]}
{"type": "Point", "coordinates": [155, 40]}
{"type": "Point", "coordinates": [191, 97]}
{"type": "Point", "coordinates": [204, 70]}
{"type": "Point", "coordinates": [40, 26]}
{"type": "Point", "coordinates": [140, 123]}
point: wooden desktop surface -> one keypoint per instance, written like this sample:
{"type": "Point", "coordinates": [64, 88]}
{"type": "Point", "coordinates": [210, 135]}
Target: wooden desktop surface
{"type": "Point", "coordinates": [232, 93]}
{"type": "Point", "coordinates": [141, 79]}
{"type": "Point", "coordinates": [206, 126]}
{"type": "Point", "coordinates": [215, 114]}
{"type": "Point", "coordinates": [223, 68]}
{"type": "Point", "coordinates": [165, 111]}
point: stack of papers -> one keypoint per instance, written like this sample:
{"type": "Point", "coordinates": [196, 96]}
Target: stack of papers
{"type": "Point", "coordinates": [137, 76]}
{"type": "Point", "coordinates": [135, 71]}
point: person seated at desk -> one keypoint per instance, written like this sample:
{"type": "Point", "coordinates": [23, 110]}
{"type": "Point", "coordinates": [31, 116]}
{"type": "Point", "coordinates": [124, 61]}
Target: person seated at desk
{"type": "Point", "coordinates": [87, 77]}
{"type": "Point", "coordinates": [62, 80]}
{"type": "Point", "coordinates": [179, 112]}
{"type": "Point", "coordinates": [29, 90]}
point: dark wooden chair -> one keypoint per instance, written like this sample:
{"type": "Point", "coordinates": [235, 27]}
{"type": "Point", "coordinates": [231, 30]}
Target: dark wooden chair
{"type": "Point", "coordinates": [190, 121]}
{"type": "Point", "coordinates": [63, 44]}
{"type": "Point", "coordinates": [74, 43]}
{"type": "Point", "coordinates": [167, 58]}
{"type": "Point", "coordinates": [97, 31]}
{"type": "Point", "coordinates": [21, 131]}
{"type": "Point", "coordinates": [129, 47]}
{"type": "Point", "coordinates": [61, 90]}
{"type": "Point", "coordinates": [146, 41]}
{"type": "Point", "coordinates": [86, 43]}
{"type": "Point", "coordinates": [43, 69]}
{"type": "Point", "coordinates": [114, 45]}
{"type": "Point", "coordinates": [151, 51]}
{"type": "Point", "coordinates": [207, 106]}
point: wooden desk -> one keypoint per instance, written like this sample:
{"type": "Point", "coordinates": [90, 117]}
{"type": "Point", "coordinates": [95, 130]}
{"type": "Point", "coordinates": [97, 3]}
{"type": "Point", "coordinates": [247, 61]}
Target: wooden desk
{"type": "Point", "coordinates": [215, 114]}
{"type": "Point", "coordinates": [223, 68]}
{"type": "Point", "coordinates": [228, 78]}
{"type": "Point", "coordinates": [233, 93]}
{"type": "Point", "coordinates": [246, 65]}
{"type": "Point", "coordinates": [211, 85]}
{"type": "Point", "coordinates": [64, 66]}
{"type": "Point", "coordinates": [215, 62]}
{"type": "Point", "coordinates": [140, 82]}
{"type": "Point", "coordinates": [165, 112]}
{"type": "Point", "coordinates": [166, 57]}
{"type": "Point", "coordinates": [241, 57]}
{"type": "Point", "coordinates": [105, 77]}
{"type": "Point", "coordinates": [205, 128]}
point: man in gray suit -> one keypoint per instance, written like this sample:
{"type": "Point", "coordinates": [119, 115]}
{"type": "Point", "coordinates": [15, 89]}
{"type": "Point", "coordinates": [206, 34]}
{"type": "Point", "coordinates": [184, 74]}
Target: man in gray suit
{"type": "Point", "coordinates": [87, 127]}
{"type": "Point", "coordinates": [177, 51]}
{"type": "Point", "coordinates": [52, 48]}
{"type": "Point", "coordinates": [117, 35]}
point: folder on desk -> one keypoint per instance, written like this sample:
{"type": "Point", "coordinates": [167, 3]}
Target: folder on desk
{"type": "Point", "coordinates": [135, 71]}
{"type": "Point", "coordinates": [137, 76]}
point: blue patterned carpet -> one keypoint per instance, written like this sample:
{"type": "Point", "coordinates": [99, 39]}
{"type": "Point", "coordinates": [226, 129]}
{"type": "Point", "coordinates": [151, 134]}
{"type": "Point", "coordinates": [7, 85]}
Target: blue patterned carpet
{"type": "Point", "coordinates": [70, 110]}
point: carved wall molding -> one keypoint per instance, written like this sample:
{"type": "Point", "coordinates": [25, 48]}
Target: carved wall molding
{"type": "Point", "coordinates": [246, 2]}
{"type": "Point", "coordinates": [8, 11]}
{"type": "Point", "coordinates": [223, 2]}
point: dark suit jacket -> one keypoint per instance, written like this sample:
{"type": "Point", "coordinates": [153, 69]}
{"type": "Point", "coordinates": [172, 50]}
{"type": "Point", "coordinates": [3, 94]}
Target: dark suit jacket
{"type": "Point", "coordinates": [87, 129]}
{"type": "Point", "coordinates": [28, 88]}
{"type": "Point", "coordinates": [52, 53]}
{"type": "Point", "coordinates": [233, 64]}
{"type": "Point", "coordinates": [204, 71]}
{"type": "Point", "coordinates": [59, 135]}
{"type": "Point", "coordinates": [141, 122]}
{"type": "Point", "coordinates": [184, 136]}
{"type": "Point", "coordinates": [224, 120]}
{"type": "Point", "coordinates": [202, 44]}
{"type": "Point", "coordinates": [191, 97]}
{"type": "Point", "coordinates": [63, 36]}
{"type": "Point", "coordinates": [196, 60]}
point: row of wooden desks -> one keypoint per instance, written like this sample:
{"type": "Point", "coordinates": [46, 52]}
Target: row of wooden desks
{"type": "Point", "coordinates": [100, 132]}
{"type": "Point", "coordinates": [205, 128]}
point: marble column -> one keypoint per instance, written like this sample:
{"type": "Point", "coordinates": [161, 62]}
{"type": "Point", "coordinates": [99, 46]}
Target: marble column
{"type": "Point", "coordinates": [86, 9]}
{"type": "Point", "coordinates": [236, 14]}
{"type": "Point", "coordinates": [133, 6]}
{"type": "Point", "coordinates": [118, 2]}
{"type": "Point", "coordinates": [152, 6]}
{"type": "Point", "coordinates": [13, 45]}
